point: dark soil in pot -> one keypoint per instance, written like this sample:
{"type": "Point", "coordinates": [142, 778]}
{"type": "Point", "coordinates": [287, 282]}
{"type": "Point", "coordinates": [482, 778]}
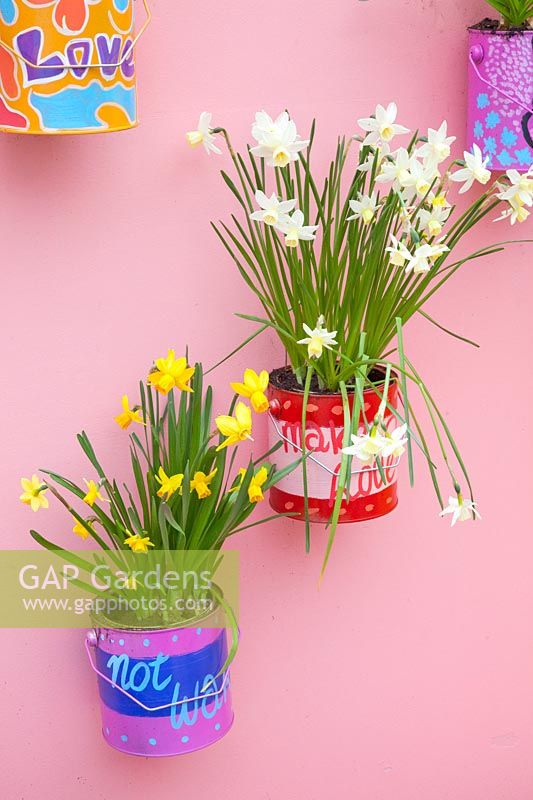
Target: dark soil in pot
{"type": "Point", "coordinates": [489, 24]}
{"type": "Point", "coordinates": [284, 378]}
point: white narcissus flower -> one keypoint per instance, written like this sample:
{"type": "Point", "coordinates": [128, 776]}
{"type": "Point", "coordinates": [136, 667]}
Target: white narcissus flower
{"type": "Point", "coordinates": [365, 208]}
{"type": "Point", "coordinates": [438, 200]}
{"type": "Point", "coordinates": [203, 135]}
{"type": "Point", "coordinates": [433, 220]}
{"type": "Point", "coordinates": [264, 125]}
{"type": "Point", "coordinates": [438, 146]}
{"type": "Point", "coordinates": [378, 155]}
{"type": "Point", "coordinates": [395, 442]}
{"type": "Point", "coordinates": [318, 338]}
{"type": "Point", "coordinates": [382, 127]}
{"type": "Point", "coordinates": [516, 212]}
{"type": "Point", "coordinates": [399, 252]}
{"type": "Point", "coordinates": [421, 176]}
{"type": "Point", "coordinates": [518, 194]}
{"type": "Point", "coordinates": [273, 211]}
{"type": "Point", "coordinates": [294, 229]}
{"type": "Point", "coordinates": [475, 170]}
{"type": "Point", "coordinates": [366, 447]}
{"type": "Point", "coordinates": [277, 140]}
{"type": "Point", "coordinates": [396, 170]}
{"type": "Point", "coordinates": [520, 190]}
{"type": "Point", "coordinates": [460, 509]}
{"type": "Point", "coordinates": [424, 256]}
{"type": "Point", "coordinates": [404, 215]}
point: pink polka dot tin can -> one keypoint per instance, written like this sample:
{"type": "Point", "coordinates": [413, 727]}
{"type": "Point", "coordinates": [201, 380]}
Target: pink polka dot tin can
{"type": "Point", "coordinates": [500, 97]}
{"type": "Point", "coordinates": [162, 692]}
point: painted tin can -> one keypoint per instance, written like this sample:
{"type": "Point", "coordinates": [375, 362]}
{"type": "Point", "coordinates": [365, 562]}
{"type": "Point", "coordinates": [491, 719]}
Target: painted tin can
{"type": "Point", "coordinates": [370, 496]}
{"type": "Point", "coordinates": [154, 694]}
{"type": "Point", "coordinates": [67, 66]}
{"type": "Point", "coordinates": [500, 97]}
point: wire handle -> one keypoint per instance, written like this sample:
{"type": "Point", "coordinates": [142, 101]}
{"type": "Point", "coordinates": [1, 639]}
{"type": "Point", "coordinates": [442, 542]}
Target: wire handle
{"type": "Point", "coordinates": [475, 57]}
{"type": "Point", "coordinates": [320, 464]}
{"type": "Point", "coordinates": [125, 54]}
{"type": "Point", "coordinates": [91, 642]}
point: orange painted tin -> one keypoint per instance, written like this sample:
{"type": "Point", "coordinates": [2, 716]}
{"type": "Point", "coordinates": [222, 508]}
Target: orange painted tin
{"type": "Point", "coordinates": [67, 66]}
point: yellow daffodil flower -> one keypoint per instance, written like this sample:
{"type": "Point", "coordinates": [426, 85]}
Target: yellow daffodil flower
{"type": "Point", "coordinates": [171, 372]}
{"type": "Point", "coordinates": [241, 473]}
{"type": "Point", "coordinates": [237, 428]}
{"type": "Point", "coordinates": [138, 544]}
{"type": "Point", "coordinates": [257, 481]}
{"type": "Point", "coordinates": [128, 415]}
{"type": "Point", "coordinates": [253, 388]}
{"type": "Point", "coordinates": [255, 493]}
{"type": "Point", "coordinates": [33, 493]}
{"type": "Point", "coordinates": [200, 483]}
{"type": "Point", "coordinates": [93, 493]}
{"type": "Point", "coordinates": [80, 530]}
{"type": "Point", "coordinates": [169, 484]}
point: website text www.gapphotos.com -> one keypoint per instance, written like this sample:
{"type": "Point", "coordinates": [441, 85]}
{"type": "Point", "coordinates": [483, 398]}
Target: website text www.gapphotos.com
{"type": "Point", "coordinates": [113, 605]}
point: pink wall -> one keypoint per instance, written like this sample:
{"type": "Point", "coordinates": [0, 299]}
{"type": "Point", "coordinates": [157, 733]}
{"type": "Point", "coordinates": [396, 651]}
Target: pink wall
{"type": "Point", "coordinates": [409, 674]}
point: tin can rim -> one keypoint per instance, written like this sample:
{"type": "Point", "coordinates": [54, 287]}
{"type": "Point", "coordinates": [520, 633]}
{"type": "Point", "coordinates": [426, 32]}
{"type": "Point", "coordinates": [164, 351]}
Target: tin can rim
{"type": "Point", "coordinates": [508, 32]}
{"type": "Point", "coordinates": [101, 621]}
{"type": "Point", "coordinates": [328, 395]}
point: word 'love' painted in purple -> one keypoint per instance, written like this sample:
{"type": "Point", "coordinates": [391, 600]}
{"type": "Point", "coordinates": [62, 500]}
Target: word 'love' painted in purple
{"type": "Point", "coordinates": [112, 53]}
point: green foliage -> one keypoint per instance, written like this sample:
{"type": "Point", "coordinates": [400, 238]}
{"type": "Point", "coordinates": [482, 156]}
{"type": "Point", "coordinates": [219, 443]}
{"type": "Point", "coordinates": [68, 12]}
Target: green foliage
{"type": "Point", "coordinates": [347, 277]}
{"type": "Point", "coordinates": [515, 13]}
{"type": "Point", "coordinates": [177, 437]}
{"type": "Point", "coordinates": [346, 274]}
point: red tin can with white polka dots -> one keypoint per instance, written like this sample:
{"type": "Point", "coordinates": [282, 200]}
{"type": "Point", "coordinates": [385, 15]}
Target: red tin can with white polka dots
{"type": "Point", "coordinates": [370, 495]}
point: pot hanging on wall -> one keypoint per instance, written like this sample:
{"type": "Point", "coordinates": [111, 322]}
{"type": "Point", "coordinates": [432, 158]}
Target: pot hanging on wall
{"type": "Point", "coordinates": [154, 694]}
{"type": "Point", "coordinates": [68, 66]}
{"type": "Point", "coordinates": [373, 493]}
{"type": "Point", "coordinates": [500, 97]}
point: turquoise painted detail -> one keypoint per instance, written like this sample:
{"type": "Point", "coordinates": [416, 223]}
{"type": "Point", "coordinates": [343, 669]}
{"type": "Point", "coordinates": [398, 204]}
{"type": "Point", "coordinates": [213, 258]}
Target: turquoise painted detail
{"type": "Point", "coordinates": [505, 158]}
{"type": "Point", "coordinates": [492, 120]}
{"type": "Point", "coordinates": [8, 11]}
{"type": "Point", "coordinates": [153, 742]}
{"type": "Point", "coordinates": [483, 100]}
{"type": "Point", "coordinates": [121, 5]}
{"type": "Point", "coordinates": [525, 156]}
{"type": "Point", "coordinates": [75, 108]}
{"type": "Point", "coordinates": [478, 129]}
{"type": "Point", "coordinates": [490, 145]}
{"type": "Point", "coordinates": [508, 137]}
